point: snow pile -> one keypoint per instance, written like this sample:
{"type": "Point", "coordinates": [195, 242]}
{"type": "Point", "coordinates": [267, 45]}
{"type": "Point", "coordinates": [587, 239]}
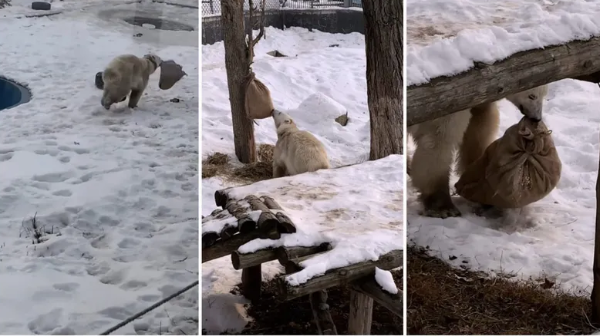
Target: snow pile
{"type": "Point", "coordinates": [553, 237]}
{"type": "Point", "coordinates": [115, 192]}
{"type": "Point", "coordinates": [385, 280]}
{"type": "Point", "coordinates": [358, 208]}
{"type": "Point", "coordinates": [446, 37]}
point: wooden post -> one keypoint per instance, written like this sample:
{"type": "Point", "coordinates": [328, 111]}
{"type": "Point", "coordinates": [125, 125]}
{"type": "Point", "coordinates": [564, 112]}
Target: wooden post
{"type": "Point", "coordinates": [251, 282]}
{"type": "Point", "coordinates": [596, 268]}
{"type": "Point", "coordinates": [383, 40]}
{"type": "Point", "coordinates": [237, 65]}
{"type": "Point", "coordinates": [361, 314]}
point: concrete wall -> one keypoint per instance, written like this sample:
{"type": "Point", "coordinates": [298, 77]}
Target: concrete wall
{"type": "Point", "coordinates": [327, 20]}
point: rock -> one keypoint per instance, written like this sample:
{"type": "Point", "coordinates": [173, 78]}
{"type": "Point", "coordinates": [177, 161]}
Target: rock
{"type": "Point", "coordinates": [343, 119]}
{"type": "Point", "coordinates": [276, 53]}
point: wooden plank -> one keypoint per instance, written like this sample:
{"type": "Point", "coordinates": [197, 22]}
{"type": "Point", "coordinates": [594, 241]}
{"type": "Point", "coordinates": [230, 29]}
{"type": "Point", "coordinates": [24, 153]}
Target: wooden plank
{"type": "Point", "coordinates": [369, 286]}
{"type": "Point", "coordinates": [339, 276]}
{"type": "Point", "coordinates": [486, 83]}
{"type": "Point", "coordinates": [361, 314]}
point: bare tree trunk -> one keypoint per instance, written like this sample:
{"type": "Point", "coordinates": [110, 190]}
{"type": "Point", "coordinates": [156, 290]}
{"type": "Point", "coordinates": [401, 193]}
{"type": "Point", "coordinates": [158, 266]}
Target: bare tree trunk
{"type": "Point", "coordinates": [237, 66]}
{"type": "Point", "coordinates": [383, 39]}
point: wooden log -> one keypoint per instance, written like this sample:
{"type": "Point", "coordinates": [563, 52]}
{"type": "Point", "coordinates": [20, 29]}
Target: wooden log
{"type": "Point", "coordinates": [285, 254]}
{"type": "Point", "coordinates": [240, 260]}
{"type": "Point", "coordinates": [486, 83]}
{"type": "Point", "coordinates": [320, 309]}
{"type": "Point", "coordinates": [251, 282]}
{"type": "Point", "coordinates": [285, 223]}
{"type": "Point", "coordinates": [228, 231]}
{"type": "Point", "coordinates": [339, 276]}
{"type": "Point", "coordinates": [226, 247]}
{"type": "Point", "coordinates": [270, 203]}
{"type": "Point", "coordinates": [221, 197]}
{"type": "Point", "coordinates": [245, 223]}
{"type": "Point", "coordinates": [293, 265]}
{"type": "Point", "coordinates": [267, 222]}
{"type": "Point", "coordinates": [369, 286]}
{"type": "Point", "coordinates": [595, 318]}
{"type": "Point", "coordinates": [361, 314]}
{"type": "Point", "coordinates": [209, 239]}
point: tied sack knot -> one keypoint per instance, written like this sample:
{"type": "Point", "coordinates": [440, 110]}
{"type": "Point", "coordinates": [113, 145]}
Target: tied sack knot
{"type": "Point", "coordinates": [533, 140]}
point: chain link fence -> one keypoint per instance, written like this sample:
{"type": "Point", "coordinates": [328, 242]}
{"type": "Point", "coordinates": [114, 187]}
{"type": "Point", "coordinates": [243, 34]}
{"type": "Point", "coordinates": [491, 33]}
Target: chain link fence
{"type": "Point", "coordinates": [213, 7]}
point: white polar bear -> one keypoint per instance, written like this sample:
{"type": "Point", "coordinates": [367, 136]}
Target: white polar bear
{"type": "Point", "coordinates": [127, 75]}
{"type": "Point", "coordinates": [296, 151]}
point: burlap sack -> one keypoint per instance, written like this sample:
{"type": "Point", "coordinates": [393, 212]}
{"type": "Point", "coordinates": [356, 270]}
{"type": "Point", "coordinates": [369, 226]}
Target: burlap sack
{"type": "Point", "coordinates": [258, 103]}
{"type": "Point", "coordinates": [518, 169]}
{"type": "Point", "coordinates": [170, 73]}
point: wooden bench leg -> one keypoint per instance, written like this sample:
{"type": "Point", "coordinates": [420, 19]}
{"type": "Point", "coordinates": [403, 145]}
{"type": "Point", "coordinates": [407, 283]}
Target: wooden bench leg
{"type": "Point", "coordinates": [251, 282]}
{"type": "Point", "coordinates": [361, 314]}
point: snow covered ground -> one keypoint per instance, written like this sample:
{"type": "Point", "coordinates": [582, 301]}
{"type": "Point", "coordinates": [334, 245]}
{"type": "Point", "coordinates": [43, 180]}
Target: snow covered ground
{"type": "Point", "coordinates": [445, 37]}
{"type": "Point", "coordinates": [560, 242]}
{"type": "Point", "coordinates": [116, 192]}
{"type": "Point", "coordinates": [358, 208]}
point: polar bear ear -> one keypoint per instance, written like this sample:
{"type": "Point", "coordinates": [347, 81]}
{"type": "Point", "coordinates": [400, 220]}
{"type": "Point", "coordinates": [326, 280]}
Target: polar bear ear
{"type": "Point", "coordinates": [288, 121]}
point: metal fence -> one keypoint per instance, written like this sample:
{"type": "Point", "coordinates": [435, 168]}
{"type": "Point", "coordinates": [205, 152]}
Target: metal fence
{"type": "Point", "coordinates": [213, 7]}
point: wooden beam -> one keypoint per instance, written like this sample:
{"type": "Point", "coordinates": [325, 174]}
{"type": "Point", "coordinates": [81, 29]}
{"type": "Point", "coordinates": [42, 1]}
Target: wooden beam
{"type": "Point", "coordinates": [225, 247]}
{"type": "Point", "coordinates": [339, 276]}
{"type": "Point", "coordinates": [486, 83]}
{"type": "Point", "coordinates": [240, 260]}
{"type": "Point", "coordinates": [369, 286]}
{"type": "Point", "coordinates": [361, 314]}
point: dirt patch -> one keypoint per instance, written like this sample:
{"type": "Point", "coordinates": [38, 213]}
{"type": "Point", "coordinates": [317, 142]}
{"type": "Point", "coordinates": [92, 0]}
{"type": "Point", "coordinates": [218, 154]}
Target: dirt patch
{"type": "Point", "coordinates": [443, 300]}
{"type": "Point", "coordinates": [256, 171]}
{"type": "Point", "coordinates": [274, 317]}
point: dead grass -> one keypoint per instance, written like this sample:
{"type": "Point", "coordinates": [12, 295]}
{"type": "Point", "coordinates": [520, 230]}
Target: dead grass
{"type": "Point", "coordinates": [450, 301]}
{"type": "Point", "coordinates": [218, 164]}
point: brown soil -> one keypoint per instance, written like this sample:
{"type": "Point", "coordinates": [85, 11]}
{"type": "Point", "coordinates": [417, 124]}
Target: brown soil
{"type": "Point", "coordinates": [274, 317]}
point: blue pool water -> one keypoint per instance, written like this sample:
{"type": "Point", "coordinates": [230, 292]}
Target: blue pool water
{"type": "Point", "coordinates": [12, 94]}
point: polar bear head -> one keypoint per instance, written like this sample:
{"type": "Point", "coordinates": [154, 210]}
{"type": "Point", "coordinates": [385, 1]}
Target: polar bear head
{"type": "Point", "coordinates": [530, 102]}
{"type": "Point", "coordinates": [154, 59]}
{"type": "Point", "coordinates": [282, 118]}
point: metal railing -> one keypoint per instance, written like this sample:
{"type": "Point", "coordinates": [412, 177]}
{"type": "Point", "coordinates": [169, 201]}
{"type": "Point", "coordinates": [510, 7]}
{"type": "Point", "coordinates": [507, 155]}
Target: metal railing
{"type": "Point", "coordinates": [213, 7]}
